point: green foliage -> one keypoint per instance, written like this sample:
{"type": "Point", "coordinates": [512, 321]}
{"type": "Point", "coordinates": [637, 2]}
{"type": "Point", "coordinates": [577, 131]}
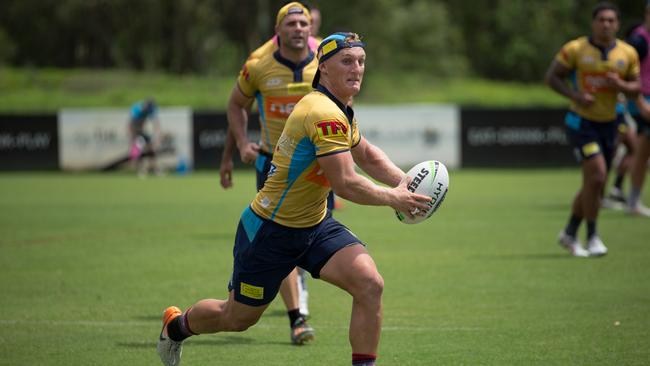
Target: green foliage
{"type": "Point", "coordinates": [7, 47]}
{"type": "Point", "coordinates": [492, 39]}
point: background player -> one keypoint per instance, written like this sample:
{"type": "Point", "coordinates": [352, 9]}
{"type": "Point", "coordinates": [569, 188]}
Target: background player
{"type": "Point", "coordinates": [143, 145]}
{"type": "Point", "coordinates": [640, 111]}
{"type": "Point", "coordinates": [278, 81]}
{"type": "Point", "coordinates": [625, 139]}
{"type": "Point", "coordinates": [601, 67]}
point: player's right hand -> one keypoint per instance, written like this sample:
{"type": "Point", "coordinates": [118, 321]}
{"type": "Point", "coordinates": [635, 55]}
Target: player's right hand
{"type": "Point", "coordinates": [584, 99]}
{"type": "Point", "coordinates": [225, 173]}
{"type": "Point", "coordinates": [248, 153]}
{"type": "Point", "coordinates": [408, 202]}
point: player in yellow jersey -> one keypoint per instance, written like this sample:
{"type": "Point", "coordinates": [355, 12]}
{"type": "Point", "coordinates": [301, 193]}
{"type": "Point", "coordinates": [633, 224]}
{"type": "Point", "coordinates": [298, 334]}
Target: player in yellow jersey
{"type": "Point", "coordinates": [273, 44]}
{"type": "Point", "coordinates": [277, 81]}
{"type": "Point", "coordinates": [288, 224]}
{"type": "Point", "coordinates": [599, 67]}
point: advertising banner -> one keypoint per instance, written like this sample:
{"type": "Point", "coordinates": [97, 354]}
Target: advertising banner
{"type": "Point", "coordinates": [209, 137]}
{"type": "Point", "coordinates": [28, 142]}
{"type": "Point", "coordinates": [410, 134]}
{"type": "Point", "coordinates": [98, 139]}
{"type": "Point", "coordinates": [515, 138]}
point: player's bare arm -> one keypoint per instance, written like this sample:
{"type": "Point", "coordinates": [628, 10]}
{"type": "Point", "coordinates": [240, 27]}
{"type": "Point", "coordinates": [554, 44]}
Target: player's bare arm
{"type": "Point", "coordinates": [556, 78]}
{"type": "Point", "coordinates": [226, 166]}
{"type": "Point", "coordinates": [630, 87]}
{"type": "Point", "coordinates": [376, 163]}
{"type": "Point", "coordinates": [344, 180]}
{"type": "Point", "coordinates": [238, 123]}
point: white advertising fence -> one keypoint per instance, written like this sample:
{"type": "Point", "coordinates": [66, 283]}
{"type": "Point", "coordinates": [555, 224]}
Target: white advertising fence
{"type": "Point", "coordinates": [410, 134]}
{"type": "Point", "coordinates": [98, 139]}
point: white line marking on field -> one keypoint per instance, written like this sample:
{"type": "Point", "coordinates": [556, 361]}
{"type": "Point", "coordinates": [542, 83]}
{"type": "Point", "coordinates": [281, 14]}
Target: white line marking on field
{"type": "Point", "coordinates": [155, 324]}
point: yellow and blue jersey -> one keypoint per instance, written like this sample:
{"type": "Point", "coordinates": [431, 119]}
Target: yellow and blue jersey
{"type": "Point", "coordinates": [590, 65]}
{"type": "Point", "coordinates": [277, 84]}
{"type": "Point", "coordinates": [295, 194]}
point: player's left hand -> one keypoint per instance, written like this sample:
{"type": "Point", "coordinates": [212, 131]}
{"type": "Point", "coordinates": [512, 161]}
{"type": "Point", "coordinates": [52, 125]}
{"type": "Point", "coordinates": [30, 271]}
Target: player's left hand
{"type": "Point", "coordinates": [614, 80]}
{"type": "Point", "coordinates": [225, 173]}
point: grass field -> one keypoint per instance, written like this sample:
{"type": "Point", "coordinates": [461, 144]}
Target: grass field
{"type": "Point", "coordinates": [89, 262]}
{"type": "Point", "coordinates": [47, 90]}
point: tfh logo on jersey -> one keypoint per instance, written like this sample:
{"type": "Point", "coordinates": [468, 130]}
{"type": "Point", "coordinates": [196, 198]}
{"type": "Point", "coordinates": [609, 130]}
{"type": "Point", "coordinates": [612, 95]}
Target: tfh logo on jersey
{"type": "Point", "coordinates": [331, 128]}
{"type": "Point", "coordinates": [280, 107]}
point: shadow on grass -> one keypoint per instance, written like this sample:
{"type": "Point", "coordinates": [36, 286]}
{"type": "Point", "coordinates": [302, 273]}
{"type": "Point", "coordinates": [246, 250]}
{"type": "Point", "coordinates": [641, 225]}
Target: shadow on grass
{"type": "Point", "coordinates": [220, 340]}
{"type": "Point", "coordinates": [276, 313]}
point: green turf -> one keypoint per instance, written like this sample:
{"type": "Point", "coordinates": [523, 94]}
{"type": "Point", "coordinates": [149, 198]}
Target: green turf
{"type": "Point", "coordinates": [47, 90]}
{"type": "Point", "coordinates": [88, 262]}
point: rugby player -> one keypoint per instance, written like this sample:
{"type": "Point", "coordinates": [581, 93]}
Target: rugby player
{"type": "Point", "coordinates": [141, 143]}
{"type": "Point", "coordinates": [278, 81]}
{"type": "Point", "coordinates": [273, 44]}
{"type": "Point", "coordinates": [288, 223]}
{"type": "Point", "coordinates": [625, 137]}
{"type": "Point", "coordinates": [599, 66]}
{"type": "Point", "coordinates": [640, 111]}
{"type": "Point", "coordinates": [288, 87]}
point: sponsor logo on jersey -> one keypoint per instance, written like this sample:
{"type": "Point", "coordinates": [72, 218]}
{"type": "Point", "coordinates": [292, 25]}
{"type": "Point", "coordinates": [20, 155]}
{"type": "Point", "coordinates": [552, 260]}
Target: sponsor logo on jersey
{"type": "Point", "coordinates": [280, 107]}
{"type": "Point", "coordinates": [594, 82]}
{"type": "Point", "coordinates": [273, 82]}
{"type": "Point", "coordinates": [254, 292]}
{"type": "Point", "coordinates": [331, 128]}
{"type": "Point", "coordinates": [272, 170]}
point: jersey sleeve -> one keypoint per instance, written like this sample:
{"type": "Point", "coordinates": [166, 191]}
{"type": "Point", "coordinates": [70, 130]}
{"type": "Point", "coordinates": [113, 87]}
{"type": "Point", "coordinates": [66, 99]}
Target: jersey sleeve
{"type": "Point", "coordinates": [247, 78]}
{"type": "Point", "coordinates": [635, 68]}
{"type": "Point", "coordinates": [567, 55]}
{"type": "Point", "coordinates": [329, 135]}
{"type": "Point", "coordinates": [356, 135]}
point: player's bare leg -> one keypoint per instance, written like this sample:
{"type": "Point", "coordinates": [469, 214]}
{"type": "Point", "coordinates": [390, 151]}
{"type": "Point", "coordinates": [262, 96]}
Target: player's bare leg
{"type": "Point", "coordinates": [353, 270]}
{"type": "Point", "coordinates": [301, 332]}
{"type": "Point", "coordinates": [638, 176]}
{"type": "Point", "coordinates": [594, 176]}
{"type": "Point", "coordinates": [206, 316]}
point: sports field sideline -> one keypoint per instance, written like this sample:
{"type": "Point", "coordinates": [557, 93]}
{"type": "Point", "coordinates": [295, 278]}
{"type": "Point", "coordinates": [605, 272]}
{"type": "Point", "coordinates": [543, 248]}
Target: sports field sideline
{"type": "Point", "coordinates": [89, 261]}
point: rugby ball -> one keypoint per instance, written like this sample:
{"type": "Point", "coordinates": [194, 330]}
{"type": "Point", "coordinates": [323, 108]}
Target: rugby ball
{"type": "Point", "coordinates": [429, 178]}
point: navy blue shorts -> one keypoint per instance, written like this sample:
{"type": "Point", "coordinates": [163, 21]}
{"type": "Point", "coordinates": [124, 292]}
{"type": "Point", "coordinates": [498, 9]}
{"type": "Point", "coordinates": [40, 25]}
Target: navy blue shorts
{"type": "Point", "coordinates": [621, 124]}
{"type": "Point", "coordinates": [262, 168]}
{"type": "Point", "coordinates": [266, 252]}
{"type": "Point", "coordinates": [642, 125]}
{"type": "Point", "coordinates": [590, 138]}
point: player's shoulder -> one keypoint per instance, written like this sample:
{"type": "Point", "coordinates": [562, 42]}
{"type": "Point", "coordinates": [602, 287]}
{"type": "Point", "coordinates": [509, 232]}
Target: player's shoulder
{"type": "Point", "coordinates": [625, 47]}
{"type": "Point", "coordinates": [267, 48]}
{"type": "Point", "coordinates": [317, 105]}
{"type": "Point", "coordinates": [577, 43]}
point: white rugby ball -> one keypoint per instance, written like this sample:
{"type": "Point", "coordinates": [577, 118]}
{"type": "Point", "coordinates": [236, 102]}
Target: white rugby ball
{"type": "Point", "coordinates": [429, 178]}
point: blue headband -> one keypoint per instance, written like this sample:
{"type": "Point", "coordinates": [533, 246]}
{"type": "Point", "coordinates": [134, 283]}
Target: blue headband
{"type": "Point", "coordinates": [332, 44]}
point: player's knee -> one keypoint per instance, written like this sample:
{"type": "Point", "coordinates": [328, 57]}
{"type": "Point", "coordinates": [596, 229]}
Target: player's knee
{"type": "Point", "coordinates": [598, 179]}
{"type": "Point", "coordinates": [370, 288]}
